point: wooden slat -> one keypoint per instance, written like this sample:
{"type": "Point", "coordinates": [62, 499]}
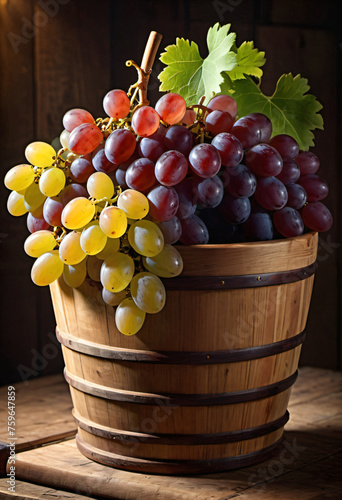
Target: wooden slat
{"type": "Point", "coordinates": [43, 412]}
{"type": "Point", "coordinates": [18, 123]}
{"type": "Point", "coordinates": [72, 70]}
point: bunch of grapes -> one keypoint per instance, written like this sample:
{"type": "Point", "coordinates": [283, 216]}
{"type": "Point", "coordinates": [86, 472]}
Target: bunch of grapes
{"type": "Point", "coordinates": [109, 205]}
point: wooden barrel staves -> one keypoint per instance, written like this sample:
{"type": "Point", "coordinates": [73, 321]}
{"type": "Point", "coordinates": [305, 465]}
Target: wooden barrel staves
{"type": "Point", "coordinates": [204, 386]}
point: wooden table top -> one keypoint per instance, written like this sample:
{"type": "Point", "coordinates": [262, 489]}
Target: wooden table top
{"type": "Point", "coordinates": [49, 466]}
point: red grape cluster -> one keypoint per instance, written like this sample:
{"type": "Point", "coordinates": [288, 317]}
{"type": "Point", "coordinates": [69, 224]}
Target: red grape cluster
{"type": "Point", "coordinates": [207, 176]}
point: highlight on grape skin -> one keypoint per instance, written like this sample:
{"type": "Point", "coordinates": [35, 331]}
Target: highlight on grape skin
{"type": "Point", "coordinates": [113, 222]}
{"type": "Point", "coordinates": [99, 186]}
{"type": "Point", "coordinates": [47, 268]}
{"type": "Point", "coordinates": [70, 249]}
{"type": "Point", "coordinates": [166, 264]}
{"type": "Point", "coordinates": [39, 242]}
{"type": "Point", "coordinates": [133, 203]}
{"type": "Point", "coordinates": [77, 213]}
{"type": "Point", "coordinates": [116, 104]}
{"type": "Point", "coordinates": [19, 177]}
{"type": "Point", "coordinates": [129, 318]}
{"type": "Point", "coordinates": [117, 272]}
{"type": "Point", "coordinates": [40, 154]}
{"type": "Point", "coordinates": [148, 292]}
{"type": "Point", "coordinates": [145, 121]}
{"type": "Point", "coordinates": [93, 240]}
{"type": "Point", "coordinates": [171, 108]}
{"type": "Point", "coordinates": [75, 117]}
{"type": "Point", "coordinates": [146, 238]}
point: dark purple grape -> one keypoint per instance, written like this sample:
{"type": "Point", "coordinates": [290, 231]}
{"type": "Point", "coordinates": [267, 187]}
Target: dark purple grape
{"type": "Point", "coordinates": [81, 169]}
{"type": "Point", "coordinates": [209, 191]}
{"type": "Point", "coordinates": [288, 222]}
{"type": "Point", "coordinates": [52, 210]}
{"type": "Point", "coordinates": [120, 172]}
{"type": "Point", "coordinates": [36, 221]}
{"type": "Point", "coordinates": [152, 147]}
{"type": "Point", "coordinates": [316, 188]}
{"type": "Point", "coordinates": [286, 145]}
{"type": "Point", "coordinates": [247, 131]}
{"type": "Point", "coordinates": [296, 196]}
{"type": "Point", "coordinates": [264, 124]}
{"type": "Point", "coordinates": [230, 149]}
{"type": "Point", "coordinates": [264, 160]}
{"type": "Point", "coordinates": [120, 177]}
{"type": "Point", "coordinates": [258, 226]}
{"type": "Point", "coordinates": [271, 193]}
{"type": "Point", "coordinates": [194, 231]}
{"type": "Point", "coordinates": [205, 160]}
{"type": "Point", "coordinates": [317, 216]}
{"type": "Point", "coordinates": [290, 172]}
{"type": "Point", "coordinates": [239, 181]}
{"type": "Point", "coordinates": [252, 129]}
{"type": "Point", "coordinates": [187, 194]}
{"type": "Point", "coordinates": [179, 138]}
{"type": "Point", "coordinates": [101, 162]}
{"type": "Point", "coordinates": [235, 210]}
{"type": "Point", "coordinates": [171, 168]}
{"type": "Point", "coordinates": [164, 203]}
{"type": "Point", "coordinates": [308, 162]}
{"type": "Point", "coordinates": [120, 145]}
{"type": "Point", "coordinates": [171, 230]}
{"type": "Point", "coordinates": [218, 121]}
{"type": "Point", "coordinates": [140, 175]}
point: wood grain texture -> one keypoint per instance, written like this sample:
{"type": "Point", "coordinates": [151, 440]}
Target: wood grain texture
{"type": "Point", "coordinates": [308, 466]}
{"type": "Point", "coordinates": [232, 391]}
{"type": "Point", "coordinates": [249, 258]}
{"type": "Point", "coordinates": [45, 400]}
{"type": "Point", "coordinates": [17, 130]}
{"type": "Point", "coordinates": [73, 70]}
{"type": "Point", "coordinates": [30, 491]}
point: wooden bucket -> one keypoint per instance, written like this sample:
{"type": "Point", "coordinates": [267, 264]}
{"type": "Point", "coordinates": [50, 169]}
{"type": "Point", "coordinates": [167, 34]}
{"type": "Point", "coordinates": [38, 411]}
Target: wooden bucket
{"type": "Point", "coordinates": [204, 386]}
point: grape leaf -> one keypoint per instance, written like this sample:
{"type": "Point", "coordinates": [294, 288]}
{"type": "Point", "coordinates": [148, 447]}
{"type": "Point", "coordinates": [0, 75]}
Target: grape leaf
{"type": "Point", "coordinates": [191, 76]}
{"type": "Point", "coordinates": [291, 110]}
{"type": "Point", "coordinates": [249, 61]}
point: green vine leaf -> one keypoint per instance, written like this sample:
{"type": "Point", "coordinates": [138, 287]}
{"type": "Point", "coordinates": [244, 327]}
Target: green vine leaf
{"type": "Point", "coordinates": [191, 76]}
{"type": "Point", "coordinates": [291, 109]}
{"type": "Point", "coordinates": [249, 62]}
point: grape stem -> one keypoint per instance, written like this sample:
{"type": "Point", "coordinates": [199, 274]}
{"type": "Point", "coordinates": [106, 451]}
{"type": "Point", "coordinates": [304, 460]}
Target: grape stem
{"type": "Point", "coordinates": [109, 201]}
{"type": "Point", "coordinates": [145, 69]}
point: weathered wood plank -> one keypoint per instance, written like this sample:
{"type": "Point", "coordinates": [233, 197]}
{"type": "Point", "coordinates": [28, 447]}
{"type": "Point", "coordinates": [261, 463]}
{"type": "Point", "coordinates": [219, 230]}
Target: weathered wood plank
{"type": "Point", "coordinates": [30, 491]}
{"type": "Point", "coordinates": [43, 412]}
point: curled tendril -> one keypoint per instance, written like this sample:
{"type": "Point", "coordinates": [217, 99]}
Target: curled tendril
{"type": "Point", "coordinates": [141, 84]}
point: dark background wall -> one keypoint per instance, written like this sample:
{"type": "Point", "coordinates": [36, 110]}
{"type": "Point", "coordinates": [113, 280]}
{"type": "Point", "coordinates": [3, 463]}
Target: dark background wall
{"type": "Point", "coordinates": [71, 56]}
